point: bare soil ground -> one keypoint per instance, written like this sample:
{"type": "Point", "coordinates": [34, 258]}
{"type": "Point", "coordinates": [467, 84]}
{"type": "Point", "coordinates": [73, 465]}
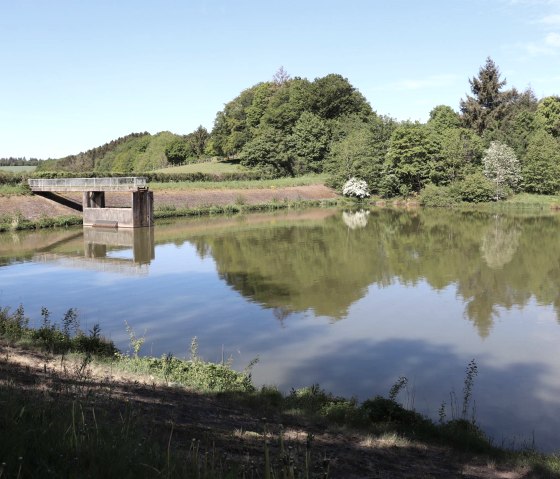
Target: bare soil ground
{"type": "Point", "coordinates": [34, 207]}
{"type": "Point", "coordinates": [237, 431]}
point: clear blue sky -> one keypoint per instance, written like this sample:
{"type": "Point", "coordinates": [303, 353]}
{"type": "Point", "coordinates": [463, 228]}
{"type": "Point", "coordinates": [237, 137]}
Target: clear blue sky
{"type": "Point", "coordinates": [75, 74]}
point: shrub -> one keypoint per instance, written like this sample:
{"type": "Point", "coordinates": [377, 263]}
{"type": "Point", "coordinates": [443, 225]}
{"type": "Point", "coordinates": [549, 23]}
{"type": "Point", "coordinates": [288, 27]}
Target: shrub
{"type": "Point", "coordinates": [355, 188]}
{"type": "Point", "coordinates": [438, 196]}
{"type": "Point", "coordinates": [475, 188]}
{"type": "Point", "coordinates": [380, 409]}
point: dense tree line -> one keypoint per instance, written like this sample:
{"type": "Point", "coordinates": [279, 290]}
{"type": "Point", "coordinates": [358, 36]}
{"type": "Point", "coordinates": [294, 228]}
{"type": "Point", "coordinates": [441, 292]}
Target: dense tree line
{"type": "Point", "coordinates": [20, 161]}
{"type": "Point", "coordinates": [137, 152]}
{"type": "Point", "coordinates": [500, 141]}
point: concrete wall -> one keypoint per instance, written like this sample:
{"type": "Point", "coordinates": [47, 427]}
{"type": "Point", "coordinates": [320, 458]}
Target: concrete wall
{"type": "Point", "coordinates": [140, 215]}
{"type": "Point", "coordinates": [122, 216]}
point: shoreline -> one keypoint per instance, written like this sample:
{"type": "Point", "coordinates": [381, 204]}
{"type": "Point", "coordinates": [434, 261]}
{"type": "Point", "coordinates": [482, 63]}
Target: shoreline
{"type": "Point", "coordinates": [239, 421]}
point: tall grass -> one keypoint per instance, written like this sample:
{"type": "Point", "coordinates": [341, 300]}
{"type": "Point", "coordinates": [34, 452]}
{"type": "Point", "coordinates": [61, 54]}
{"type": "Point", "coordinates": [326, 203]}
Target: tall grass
{"type": "Point", "coordinates": [17, 222]}
{"type": "Point", "coordinates": [87, 432]}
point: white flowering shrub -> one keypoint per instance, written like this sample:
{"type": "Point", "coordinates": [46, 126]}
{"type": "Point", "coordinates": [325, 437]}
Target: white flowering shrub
{"type": "Point", "coordinates": [356, 188]}
{"type": "Point", "coordinates": [502, 167]}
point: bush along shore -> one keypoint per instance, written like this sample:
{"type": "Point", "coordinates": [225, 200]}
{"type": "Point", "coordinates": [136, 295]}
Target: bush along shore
{"type": "Point", "coordinates": [75, 406]}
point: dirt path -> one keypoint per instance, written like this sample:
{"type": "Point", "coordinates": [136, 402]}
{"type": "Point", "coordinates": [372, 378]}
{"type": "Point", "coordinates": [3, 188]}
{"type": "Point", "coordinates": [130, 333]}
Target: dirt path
{"type": "Point", "coordinates": [237, 430]}
{"type": "Point", "coordinates": [35, 207]}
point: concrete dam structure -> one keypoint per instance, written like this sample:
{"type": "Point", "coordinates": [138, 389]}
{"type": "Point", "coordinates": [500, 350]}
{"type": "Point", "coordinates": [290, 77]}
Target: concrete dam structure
{"type": "Point", "coordinates": [139, 214]}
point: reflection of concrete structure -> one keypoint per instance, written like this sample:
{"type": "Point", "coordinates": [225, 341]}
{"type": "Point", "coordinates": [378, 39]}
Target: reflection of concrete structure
{"type": "Point", "coordinates": [99, 249]}
{"type": "Point", "coordinates": [140, 214]}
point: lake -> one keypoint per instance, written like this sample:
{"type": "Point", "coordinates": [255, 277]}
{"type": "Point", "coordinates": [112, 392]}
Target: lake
{"type": "Point", "coordinates": [351, 300]}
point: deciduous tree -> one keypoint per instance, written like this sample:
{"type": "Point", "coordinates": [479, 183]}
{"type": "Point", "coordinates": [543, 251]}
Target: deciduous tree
{"type": "Point", "coordinates": [502, 167]}
{"type": "Point", "coordinates": [541, 165]}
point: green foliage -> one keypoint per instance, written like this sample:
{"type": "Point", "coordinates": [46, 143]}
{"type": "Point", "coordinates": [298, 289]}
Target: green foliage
{"type": "Point", "coordinates": [194, 373]}
{"type": "Point", "coordinates": [359, 150]}
{"type": "Point", "coordinates": [333, 97]}
{"type": "Point", "coordinates": [18, 222]}
{"type": "Point", "coordinates": [13, 326]}
{"type": "Point", "coordinates": [87, 161]}
{"type": "Point", "coordinates": [438, 196]}
{"type": "Point", "coordinates": [51, 337]}
{"type": "Point", "coordinates": [541, 165]}
{"type": "Point", "coordinates": [309, 141]}
{"type": "Point", "coordinates": [135, 152]}
{"type": "Point", "coordinates": [548, 115]}
{"type": "Point", "coordinates": [475, 188]}
{"type": "Point", "coordinates": [488, 104]}
{"type": "Point", "coordinates": [410, 155]}
{"type": "Point", "coordinates": [443, 117]}
{"type": "Point", "coordinates": [269, 152]}
{"type": "Point", "coordinates": [459, 153]}
{"type": "Point", "coordinates": [178, 151]}
{"type": "Point", "coordinates": [283, 126]}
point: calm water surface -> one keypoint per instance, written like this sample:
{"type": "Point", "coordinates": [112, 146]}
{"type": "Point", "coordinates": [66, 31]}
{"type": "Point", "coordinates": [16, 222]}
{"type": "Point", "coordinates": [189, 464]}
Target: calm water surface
{"type": "Point", "coordinates": [350, 300]}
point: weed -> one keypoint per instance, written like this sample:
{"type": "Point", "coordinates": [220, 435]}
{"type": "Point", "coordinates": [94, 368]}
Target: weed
{"type": "Point", "coordinates": [470, 374]}
{"type": "Point", "coordinates": [136, 343]}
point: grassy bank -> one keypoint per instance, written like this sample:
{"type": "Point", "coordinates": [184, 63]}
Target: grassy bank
{"type": "Point", "coordinates": [237, 208]}
{"type": "Point", "coordinates": [18, 222]}
{"type": "Point", "coordinates": [75, 406]}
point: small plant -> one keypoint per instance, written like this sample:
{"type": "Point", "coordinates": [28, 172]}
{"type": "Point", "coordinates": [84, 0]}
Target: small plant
{"type": "Point", "coordinates": [135, 342]}
{"type": "Point", "coordinates": [397, 387]}
{"type": "Point", "coordinates": [471, 373]}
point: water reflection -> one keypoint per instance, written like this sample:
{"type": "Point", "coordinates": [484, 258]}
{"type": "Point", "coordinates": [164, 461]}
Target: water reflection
{"type": "Point", "coordinates": [496, 261]}
{"type": "Point", "coordinates": [355, 219]}
{"type": "Point", "coordinates": [351, 300]}
{"type": "Point", "coordinates": [122, 251]}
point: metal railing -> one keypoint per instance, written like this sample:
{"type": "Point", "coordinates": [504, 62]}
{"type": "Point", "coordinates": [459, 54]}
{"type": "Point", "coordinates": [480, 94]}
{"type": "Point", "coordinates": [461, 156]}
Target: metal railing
{"type": "Point", "coordinates": [88, 184]}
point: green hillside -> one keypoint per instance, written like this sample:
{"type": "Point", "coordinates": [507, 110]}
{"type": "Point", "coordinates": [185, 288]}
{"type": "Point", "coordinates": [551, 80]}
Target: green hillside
{"type": "Point", "coordinates": [134, 152]}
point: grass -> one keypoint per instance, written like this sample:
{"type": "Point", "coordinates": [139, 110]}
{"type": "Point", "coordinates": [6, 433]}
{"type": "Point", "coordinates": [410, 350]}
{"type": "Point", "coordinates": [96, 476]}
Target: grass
{"type": "Point", "coordinates": [83, 426]}
{"type": "Point", "coordinates": [14, 190]}
{"type": "Point", "coordinates": [217, 185]}
{"type": "Point", "coordinates": [241, 207]}
{"type": "Point", "coordinates": [18, 222]}
{"type": "Point", "coordinates": [214, 167]}
{"type": "Point", "coordinates": [528, 199]}
{"type": "Point", "coordinates": [18, 169]}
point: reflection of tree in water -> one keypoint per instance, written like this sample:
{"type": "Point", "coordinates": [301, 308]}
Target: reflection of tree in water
{"type": "Point", "coordinates": [322, 267]}
{"type": "Point", "coordinates": [326, 266]}
{"type": "Point", "coordinates": [355, 219]}
{"type": "Point", "coordinates": [500, 242]}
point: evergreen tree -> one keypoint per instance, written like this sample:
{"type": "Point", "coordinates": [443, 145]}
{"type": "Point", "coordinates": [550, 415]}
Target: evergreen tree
{"type": "Point", "coordinates": [480, 111]}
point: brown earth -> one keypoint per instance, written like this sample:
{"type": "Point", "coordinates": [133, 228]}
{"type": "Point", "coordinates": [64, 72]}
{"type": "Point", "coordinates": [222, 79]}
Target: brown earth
{"type": "Point", "coordinates": [34, 207]}
{"type": "Point", "coordinates": [238, 431]}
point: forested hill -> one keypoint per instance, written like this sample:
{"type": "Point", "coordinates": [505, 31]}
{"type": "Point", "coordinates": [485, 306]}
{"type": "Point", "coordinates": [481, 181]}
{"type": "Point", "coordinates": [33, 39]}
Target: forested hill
{"type": "Point", "coordinates": [136, 152]}
{"type": "Point", "coordinates": [501, 141]}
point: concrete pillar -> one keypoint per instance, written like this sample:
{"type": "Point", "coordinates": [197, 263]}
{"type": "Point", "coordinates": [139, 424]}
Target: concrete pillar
{"type": "Point", "coordinates": [142, 208]}
{"type": "Point", "coordinates": [94, 199]}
